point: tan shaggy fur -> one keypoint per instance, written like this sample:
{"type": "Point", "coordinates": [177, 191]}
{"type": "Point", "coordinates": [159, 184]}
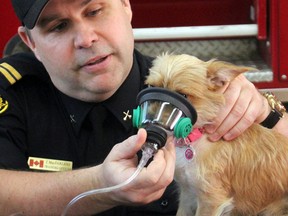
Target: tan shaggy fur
{"type": "Point", "coordinates": [245, 176]}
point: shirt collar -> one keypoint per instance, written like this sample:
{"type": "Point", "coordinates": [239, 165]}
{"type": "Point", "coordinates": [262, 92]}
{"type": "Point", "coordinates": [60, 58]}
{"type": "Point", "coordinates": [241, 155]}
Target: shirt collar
{"type": "Point", "coordinates": [121, 104]}
{"type": "Point", "coordinates": [77, 110]}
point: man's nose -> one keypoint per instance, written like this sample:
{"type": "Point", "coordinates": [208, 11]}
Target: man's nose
{"type": "Point", "coordinates": [85, 36]}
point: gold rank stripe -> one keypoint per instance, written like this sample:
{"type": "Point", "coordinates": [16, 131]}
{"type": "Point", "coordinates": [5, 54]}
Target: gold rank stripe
{"type": "Point", "coordinates": [46, 164]}
{"type": "Point", "coordinates": [10, 73]}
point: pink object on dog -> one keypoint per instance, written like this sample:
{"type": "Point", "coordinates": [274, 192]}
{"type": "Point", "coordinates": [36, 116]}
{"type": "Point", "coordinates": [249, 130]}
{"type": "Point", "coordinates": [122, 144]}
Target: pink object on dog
{"type": "Point", "coordinates": [195, 135]}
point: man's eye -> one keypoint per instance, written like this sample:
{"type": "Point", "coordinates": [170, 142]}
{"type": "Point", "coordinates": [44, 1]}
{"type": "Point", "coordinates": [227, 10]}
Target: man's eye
{"type": "Point", "coordinates": [60, 27]}
{"type": "Point", "coordinates": [94, 12]}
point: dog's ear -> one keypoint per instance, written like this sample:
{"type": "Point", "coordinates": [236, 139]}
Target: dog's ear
{"type": "Point", "coordinates": [219, 73]}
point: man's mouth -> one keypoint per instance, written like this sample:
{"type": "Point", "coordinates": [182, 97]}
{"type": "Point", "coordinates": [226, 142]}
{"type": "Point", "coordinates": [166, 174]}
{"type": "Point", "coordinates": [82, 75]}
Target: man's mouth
{"type": "Point", "coordinates": [93, 62]}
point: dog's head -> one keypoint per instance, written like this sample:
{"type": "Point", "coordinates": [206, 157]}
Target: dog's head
{"type": "Point", "coordinates": [201, 82]}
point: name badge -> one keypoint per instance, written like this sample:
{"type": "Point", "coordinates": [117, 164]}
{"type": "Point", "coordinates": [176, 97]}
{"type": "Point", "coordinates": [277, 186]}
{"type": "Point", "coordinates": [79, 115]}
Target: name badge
{"type": "Point", "coordinates": [49, 164]}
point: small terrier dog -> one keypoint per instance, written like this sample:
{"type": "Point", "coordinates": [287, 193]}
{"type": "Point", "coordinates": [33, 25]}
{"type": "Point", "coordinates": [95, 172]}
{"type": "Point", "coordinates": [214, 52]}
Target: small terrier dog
{"type": "Point", "coordinates": [245, 176]}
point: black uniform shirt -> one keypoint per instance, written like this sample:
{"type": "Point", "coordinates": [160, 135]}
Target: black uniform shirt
{"type": "Point", "coordinates": [37, 121]}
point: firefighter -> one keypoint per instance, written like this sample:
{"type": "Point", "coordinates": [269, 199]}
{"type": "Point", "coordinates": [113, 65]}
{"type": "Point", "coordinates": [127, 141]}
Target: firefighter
{"type": "Point", "coordinates": [65, 114]}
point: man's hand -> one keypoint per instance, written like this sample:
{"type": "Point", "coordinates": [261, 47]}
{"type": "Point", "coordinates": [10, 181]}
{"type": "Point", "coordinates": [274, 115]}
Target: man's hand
{"type": "Point", "coordinates": [244, 106]}
{"type": "Point", "coordinates": [151, 182]}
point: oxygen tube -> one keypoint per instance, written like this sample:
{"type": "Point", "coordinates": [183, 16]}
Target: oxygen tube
{"type": "Point", "coordinates": [147, 153]}
{"type": "Point", "coordinates": [161, 113]}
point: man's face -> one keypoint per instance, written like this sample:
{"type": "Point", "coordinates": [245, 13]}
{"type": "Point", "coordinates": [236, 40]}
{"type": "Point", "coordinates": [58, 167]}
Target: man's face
{"type": "Point", "coordinates": [85, 45]}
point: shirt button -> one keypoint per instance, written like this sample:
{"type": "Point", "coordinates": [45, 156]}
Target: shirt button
{"type": "Point", "coordinates": [164, 203]}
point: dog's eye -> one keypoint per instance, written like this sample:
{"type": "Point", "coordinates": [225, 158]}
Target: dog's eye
{"type": "Point", "coordinates": [184, 95]}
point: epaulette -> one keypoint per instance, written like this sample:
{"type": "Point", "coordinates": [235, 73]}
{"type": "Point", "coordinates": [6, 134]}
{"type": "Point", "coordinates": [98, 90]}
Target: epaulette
{"type": "Point", "coordinates": [15, 67]}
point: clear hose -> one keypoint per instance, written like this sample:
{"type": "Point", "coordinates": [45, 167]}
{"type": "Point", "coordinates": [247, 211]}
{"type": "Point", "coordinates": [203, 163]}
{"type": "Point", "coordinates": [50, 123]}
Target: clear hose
{"type": "Point", "coordinates": [147, 153]}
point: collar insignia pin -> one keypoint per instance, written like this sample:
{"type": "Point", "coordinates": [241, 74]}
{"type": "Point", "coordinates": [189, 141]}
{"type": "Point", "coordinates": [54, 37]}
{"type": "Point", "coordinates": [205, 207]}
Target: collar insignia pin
{"type": "Point", "coordinates": [72, 119]}
{"type": "Point", "coordinates": [127, 115]}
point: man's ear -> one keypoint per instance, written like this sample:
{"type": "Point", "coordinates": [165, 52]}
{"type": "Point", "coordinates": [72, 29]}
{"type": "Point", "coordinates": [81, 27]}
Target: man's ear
{"type": "Point", "coordinates": [25, 37]}
{"type": "Point", "coordinates": [219, 73]}
{"type": "Point", "coordinates": [28, 40]}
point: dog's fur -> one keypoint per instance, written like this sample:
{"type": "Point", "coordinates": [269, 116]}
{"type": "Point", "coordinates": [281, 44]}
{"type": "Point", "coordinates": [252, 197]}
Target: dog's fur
{"type": "Point", "coordinates": [245, 176]}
